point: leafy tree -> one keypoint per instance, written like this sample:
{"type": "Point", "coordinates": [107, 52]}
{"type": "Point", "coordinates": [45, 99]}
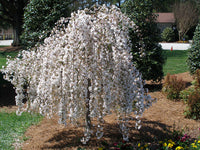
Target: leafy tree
{"type": "Point", "coordinates": [147, 53]}
{"type": "Point", "coordinates": [11, 13]}
{"type": "Point", "coordinates": [40, 17]}
{"type": "Point", "coordinates": [83, 71]}
{"type": "Point", "coordinates": [163, 5]}
{"type": "Point", "coordinates": [194, 52]}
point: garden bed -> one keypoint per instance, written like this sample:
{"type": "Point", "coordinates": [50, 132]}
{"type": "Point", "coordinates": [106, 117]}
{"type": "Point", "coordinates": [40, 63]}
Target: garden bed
{"type": "Point", "coordinates": [158, 121]}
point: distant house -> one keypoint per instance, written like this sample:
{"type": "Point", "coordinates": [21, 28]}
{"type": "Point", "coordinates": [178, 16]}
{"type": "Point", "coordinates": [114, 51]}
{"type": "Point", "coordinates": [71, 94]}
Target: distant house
{"type": "Point", "coordinates": [6, 34]}
{"type": "Point", "coordinates": [165, 20]}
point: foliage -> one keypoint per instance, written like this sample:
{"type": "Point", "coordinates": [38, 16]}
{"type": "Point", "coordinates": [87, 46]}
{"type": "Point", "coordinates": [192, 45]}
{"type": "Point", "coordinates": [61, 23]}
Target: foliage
{"type": "Point", "coordinates": [11, 14]}
{"type": "Point", "coordinates": [40, 17]}
{"type": "Point", "coordinates": [147, 53]}
{"type": "Point", "coordinates": [193, 105]}
{"type": "Point", "coordinates": [193, 98]}
{"type": "Point", "coordinates": [184, 94]}
{"type": "Point", "coordinates": [13, 127]}
{"type": "Point", "coordinates": [194, 52]}
{"type": "Point", "coordinates": [186, 14]}
{"type": "Point", "coordinates": [168, 35]}
{"type": "Point", "coordinates": [82, 71]}
{"type": "Point", "coordinates": [176, 62]}
{"type": "Point", "coordinates": [173, 86]}
{"type": "Point", "coordinates": [163, 5]}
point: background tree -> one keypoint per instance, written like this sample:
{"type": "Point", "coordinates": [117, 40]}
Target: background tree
{"type": "Point", "coordinates": [11, 13]}
{"type": "Point", "coordinates": [194, 52]}
{"type": "Point", "coordinates": [40, 17]}
{"type": "Point", "coordinates": [147, 53]}
{"type": "Point", "coordinates": [186, 14]}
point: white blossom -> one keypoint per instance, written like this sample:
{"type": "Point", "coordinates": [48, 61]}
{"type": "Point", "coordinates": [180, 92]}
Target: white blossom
{"type": "Point", "coordinates": [87, 62]}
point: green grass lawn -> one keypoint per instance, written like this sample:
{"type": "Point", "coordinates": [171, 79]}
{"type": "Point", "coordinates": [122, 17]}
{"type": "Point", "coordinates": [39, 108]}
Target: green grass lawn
{"type": "Point", "coordinates": [176, 62]}
{"type": "Point", "coordinates": [3, 56]}
{"type": "Point", "coordinates": [12, 127]}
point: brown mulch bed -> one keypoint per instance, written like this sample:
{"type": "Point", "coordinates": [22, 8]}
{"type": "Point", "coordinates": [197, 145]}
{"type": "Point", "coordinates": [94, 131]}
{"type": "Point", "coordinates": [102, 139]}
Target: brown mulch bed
{"type": "Point", "coordinates": [162, 117]}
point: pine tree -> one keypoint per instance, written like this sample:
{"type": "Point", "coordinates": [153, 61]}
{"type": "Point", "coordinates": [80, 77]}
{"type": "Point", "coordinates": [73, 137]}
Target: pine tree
{"type": "Point", "coordinates": [194, 52]}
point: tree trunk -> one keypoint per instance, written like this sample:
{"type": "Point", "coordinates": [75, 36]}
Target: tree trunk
{"type": "Point", "coordinates": [88, 120]}
{"type": "Point", "coordinates": [18, 23]}
{"type": "Point", "coordinates": [16, 41]}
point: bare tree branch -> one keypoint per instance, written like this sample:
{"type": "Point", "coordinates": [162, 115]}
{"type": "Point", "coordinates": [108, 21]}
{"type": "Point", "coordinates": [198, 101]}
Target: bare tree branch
{"type": "Point", "coordinates": [186, 15]}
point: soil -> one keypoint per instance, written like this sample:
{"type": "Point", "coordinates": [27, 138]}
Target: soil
{"type": "Point", "coordinates": [158, 121]}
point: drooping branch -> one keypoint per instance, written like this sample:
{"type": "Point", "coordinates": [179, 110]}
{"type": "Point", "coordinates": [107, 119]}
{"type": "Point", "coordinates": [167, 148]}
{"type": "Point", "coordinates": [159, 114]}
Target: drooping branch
{"type": "Point", "coordinates": [83, 71]}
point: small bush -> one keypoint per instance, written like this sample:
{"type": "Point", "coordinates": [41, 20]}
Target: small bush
{"type": "Point", "coordinates": [197, 79]}
{"type": "Point", "coordinates": [192, 110]}
{"type": "Point", "coordinates": [189, 91]}
{"type": "Point", "coordinates": [193, 98]}
{"type": "Point", "coordinates": [186, 93]}
{"type": "Point", "coordinates": [173, 86]}
{"type": "Point", "coordinates": [168, 35]}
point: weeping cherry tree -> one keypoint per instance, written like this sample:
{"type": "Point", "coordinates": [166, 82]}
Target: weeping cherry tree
{"type": "Point", "coordinates": [83, 71]}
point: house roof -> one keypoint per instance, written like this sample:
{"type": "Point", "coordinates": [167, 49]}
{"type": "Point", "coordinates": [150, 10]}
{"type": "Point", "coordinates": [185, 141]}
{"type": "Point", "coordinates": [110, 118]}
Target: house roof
{"type": "Point", "coordinates": [165, 18]}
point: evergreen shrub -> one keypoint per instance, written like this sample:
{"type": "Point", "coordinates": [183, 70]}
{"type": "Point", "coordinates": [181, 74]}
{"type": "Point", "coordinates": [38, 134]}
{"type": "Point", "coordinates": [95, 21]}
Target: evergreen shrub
{"type": "Point", "coordinates": [148, 55]}
{"type": "Point", "coordinates": [193, 60]}
{"type": "Point", "coordinates": [40, 17]}
{"type": "Point", "coordinates": [168, 35]}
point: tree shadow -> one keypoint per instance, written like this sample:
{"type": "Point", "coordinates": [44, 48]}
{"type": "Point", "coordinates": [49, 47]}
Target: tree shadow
{"type": "Point", "coordinates": [149, 132]}
{"type": "Point", "coordinates": [7, 93]}
{"type": "Point", "coordinates": [153, 87]}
